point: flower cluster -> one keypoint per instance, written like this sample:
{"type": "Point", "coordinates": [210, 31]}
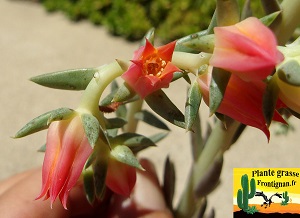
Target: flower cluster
{"type": "Point", "coordinates": [248, 50]}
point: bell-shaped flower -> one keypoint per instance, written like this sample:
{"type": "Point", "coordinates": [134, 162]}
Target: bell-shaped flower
{"type": "Point", "coordinates": [246, 49]}
{"type": "Point", "coordinates": [120, 177]}
{"type": "Point", "coordinates": [242, 101]}
{"type": "Point", "coordinates": [151, 69]}
{"type": "Point", "coordinates": [67, 150]}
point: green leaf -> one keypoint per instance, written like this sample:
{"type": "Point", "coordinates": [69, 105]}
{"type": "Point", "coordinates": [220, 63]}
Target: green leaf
{"type": "Point", "coordinates": [124, 154]}
{"type": "Point", "coordinates": [192, 105]}
{"type": "Point", "coordinates": [169, 182]}
{"type": "Point", "coordinates": [37, 124]}
{"type": "Point", "coordinates": [203, 43]}
{"type": "Point", "coordinates": [100, 169]}
{"type": "Point", "coordinates": [42, 148]}
{"type": "Point", "coordinates": [218, 84]}
{"type": "Point", "coordinates": [60, 114]}
{"type": "Point", "coordinates": [89, 185]}
{"type": "Point", "coordinates": [268, 19]}
{"type": "Point", "coordinates": [108, 99]}
{"type": "Point", "coordinates": [289, 72]}
{"type": "Point", "coordinates": [124, 93]}
{"type": "Point", "coordinates": [210, 180]}
{"type": "Point", "coordinates": [134, 141]}
{"type": "Point", "coordinates": [163, 106]}
{"type": "Point", "coordinates": [150, 36]}
{"type": "Point", "coordinates": [158, 137]}
{"type": "Point", "coordinates": [76, 79]}
{"type": "Point", "coordinates": [122, 112]}
{"type": "Point", "coordinates": [269, 100]}
{"type": "Point", "coordinates": [91, 127]}
{"type": "Point", "coordinates": [197, 141]}
{"type": "Point", "coordinates": [180, 43]}
{"type": "Point", "coordinates": [113, 123]}
{"type": "Point", "coordinates": [150, 119]}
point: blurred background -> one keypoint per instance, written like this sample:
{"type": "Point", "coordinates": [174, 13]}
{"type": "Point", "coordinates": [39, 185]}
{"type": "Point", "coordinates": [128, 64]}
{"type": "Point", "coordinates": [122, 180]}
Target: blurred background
{"type": "Point", "coordinates": [33, 41]}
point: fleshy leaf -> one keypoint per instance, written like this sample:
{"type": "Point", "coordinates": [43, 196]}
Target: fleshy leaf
{"type": "Point", "coordinates": [124, 154]}
{"type": "Point", "coordinates": [37, 124]}
{"type": "Point", "coordinates": [169, 182]}
{"type": "Point", "coordinates": [218, 84]}
{"type": "Point", "coordinates": [210, 180]}
{"type": "Point", "coordinates": [192, 105]}
{"type": "Point", "coordinates": [100, 169]}
{"type": "Point", "coordinates": [201, 43]}
{"type": "Point", "coordinates": [60, 114]}
{"type": "Point", "coordinates": [269, 100]}
{"type": "Point", "coordinates": [268, 19]}
{"type": "Point", "coordinates": [158, 137]}
{"type": "Point", "coordinates": [108, 99]}
{"type": "Point", "coordinates": [149, 35]}
{"type": "Point", "coordinates": [42, 148]}
{"type": "Point", "coordinates": [75, 79]}
{"type": "Point", "coordinates": [150, 119]}
{"type": "Point", "coordinates": [89, 185]}
{"type": "Point", "coordinates": [163, 106]}
{"type": "Point", "coordinates": [113, 123]}
{"type": "Point", "coordinates": [124, 93]}
{"type": "Point", "coordinates": [91, 127]}
{"type": "Point", "coordinates": [134, 141]}
{"type": "Point", "coordinates": [197, 141]}
{"type": "Point", "coordinates": [180, 43]}
{"type": "Point", "coordinates": [289, 73]}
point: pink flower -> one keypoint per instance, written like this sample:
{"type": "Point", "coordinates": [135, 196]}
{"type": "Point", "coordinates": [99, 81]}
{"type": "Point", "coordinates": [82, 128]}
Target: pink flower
{"type": "Point", "coordinates": [151, 69]}
{"type": "Point", "coordinates": [242, 101]}
{"type": "Point", "coordinates": [246, 49]}
{"type": "Point", "coordinates": [67, 150]}
{"type": "Point", "coordinates": [120, 177]}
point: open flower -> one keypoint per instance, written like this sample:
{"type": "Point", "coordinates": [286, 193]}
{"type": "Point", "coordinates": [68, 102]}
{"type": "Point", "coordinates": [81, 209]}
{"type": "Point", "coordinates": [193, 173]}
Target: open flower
{"type": "Point", "coordinates": [247, 49]}
{"type": "Point", "coordinates": [67, 150]}
{"type": "Point", "coordinates": [242, 101]}
{"type": "Point", "coordinates": [151, 69]}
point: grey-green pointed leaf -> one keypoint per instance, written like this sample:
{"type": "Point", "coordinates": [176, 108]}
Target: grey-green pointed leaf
{"type": "Point", "coordinates": [192, 105]}
{"type": "Point", "coordinates": [37, 124]}
{"type": "Point", "coordinates": [180, 43]}
{"type": "Point", "coordinates": [218, 84]}
{"type": "Point", "coordinates": [60, 114]}
{"type": "Point", "coordinates": [108, 99]}
{"type": "Point", "coordinates": [124, 93]}
{"type": "Point", "coordinates": [169, 182]}
{"type": "Point", "coordinates": [91, 127]}
{"type": "Point", "coordinates": [89, 185]}
{"type": "Point", "coordinates": [150, 119]}
{"type": "Point", "coordinates": [100, 169]}
{"type": "Point", "coordinates": [289, 72]}
{"type": "Point", "coordinates": [197, 141]}
{"type": "Point", "coordinates": [113, 123]}
{"type": "Point", "coordinates": [210, 180]}
{"type": "Point", "coordinates": [149, 35]}
{"type": "Point", "coordinates": [268, 19]}
{"type": "Point", "coordinates": [124, 154]}
{"type": "Point", "coordinates": [158, 137]}
{"type": "Point", "coordinates": [203, 43]}
{"type": "Point", "coordinates": [75, 79]}
{"type": "Point", "coordinates": [269, 101]}
{"type": "Point", "coordinates": [163, 106]}
{"type": "Point", "coordinates": [134, 141]}
{"type": "Point", "coordinates": [42, 148]}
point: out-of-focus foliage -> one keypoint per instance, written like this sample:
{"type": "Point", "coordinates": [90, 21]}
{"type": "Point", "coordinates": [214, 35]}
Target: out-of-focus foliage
{"type": "Point", "coordinates": [132, 19]}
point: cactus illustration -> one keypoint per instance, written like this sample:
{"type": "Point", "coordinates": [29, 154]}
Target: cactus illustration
{"type": "Point", "coordinates": [243, 195]}
{"type": "Point", "coordinates": [286, 198]}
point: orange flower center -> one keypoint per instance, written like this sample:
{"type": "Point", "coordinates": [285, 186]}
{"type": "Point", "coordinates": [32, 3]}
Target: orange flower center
{"type": "Point", "coordinates": [153, 65]}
